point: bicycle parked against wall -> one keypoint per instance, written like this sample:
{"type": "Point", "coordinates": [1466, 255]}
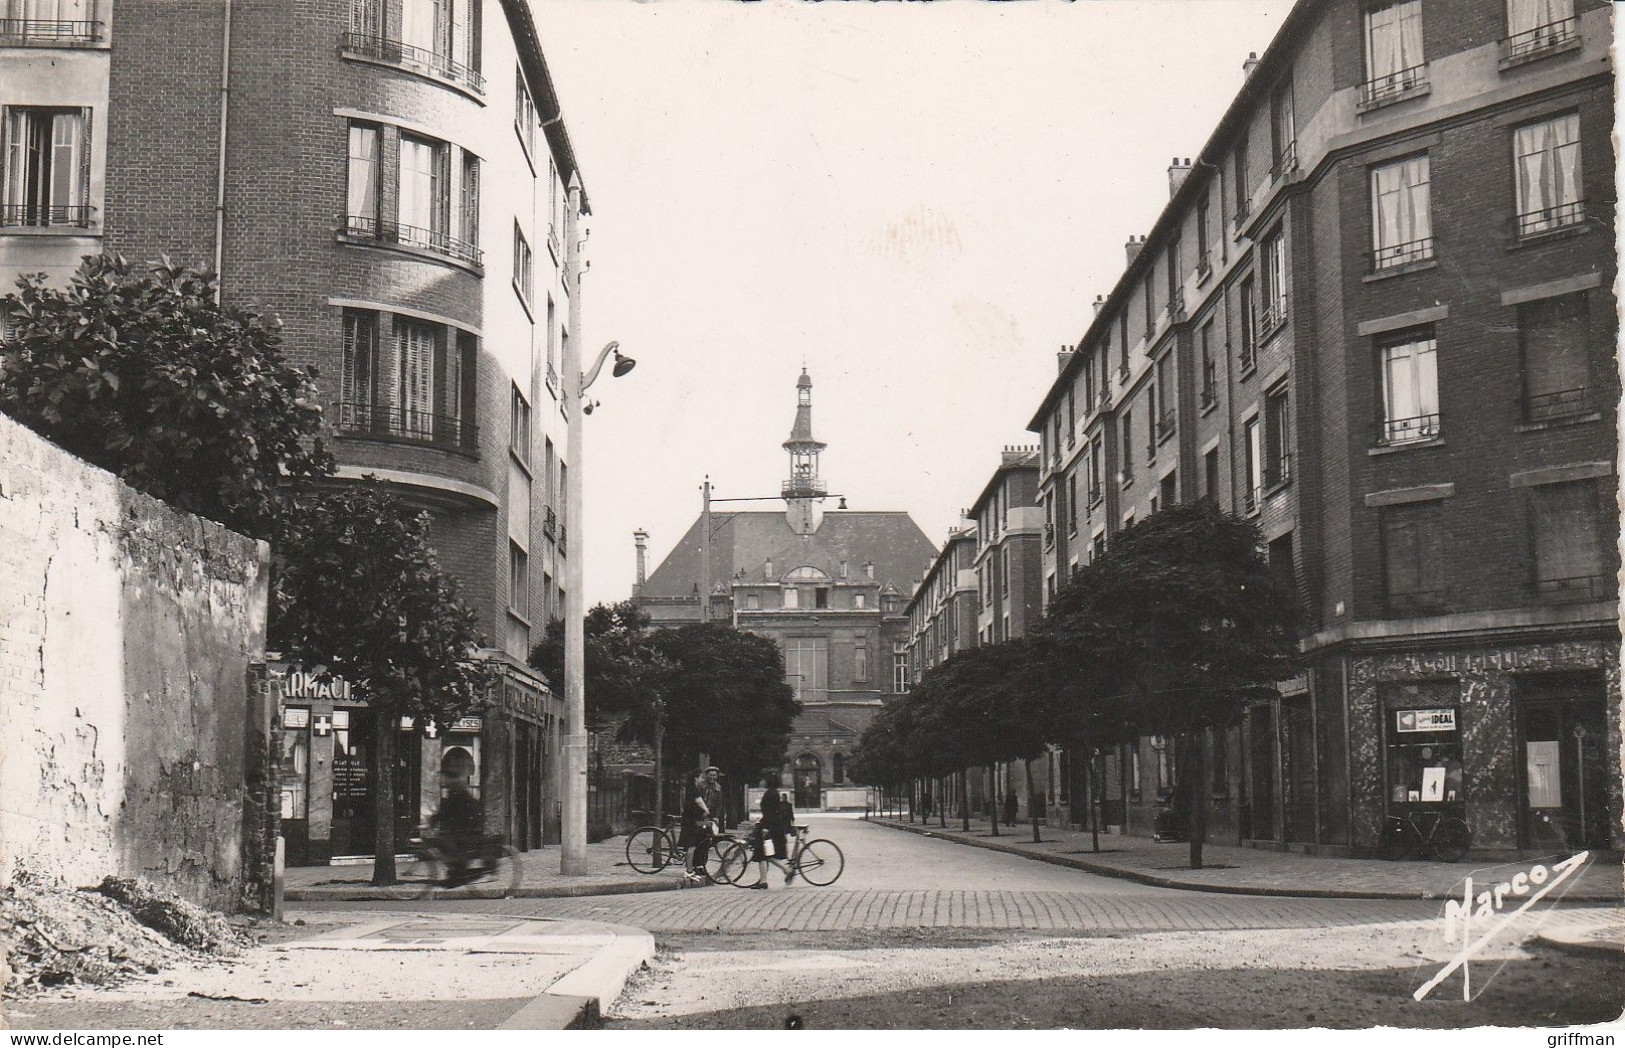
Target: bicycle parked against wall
{"type": "Point", "coordinates": [433, 869]}
{"type": "Point", "coordinates": [817, 861]}
{"type": "Point", "coordinates": [1418, 832]}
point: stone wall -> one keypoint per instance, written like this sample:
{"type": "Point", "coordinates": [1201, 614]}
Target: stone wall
{"type": "Point", "coordinates": [130, 739]}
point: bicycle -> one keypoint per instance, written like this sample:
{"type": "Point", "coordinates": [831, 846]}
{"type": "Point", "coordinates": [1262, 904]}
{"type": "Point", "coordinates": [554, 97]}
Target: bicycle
{"type": "Point", "coordinates": [428, 870]}
{"type": "Point", "coordinates": [650, 849]}
{"type": "Point", "coordinates": [1446, 836]}
{"type": "Point", "coordinates": [819, 862]}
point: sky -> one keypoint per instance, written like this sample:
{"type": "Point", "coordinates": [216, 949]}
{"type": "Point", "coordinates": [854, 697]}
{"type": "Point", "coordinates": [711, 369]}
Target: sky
{"type": "Point", "coordinates": [917, 202]}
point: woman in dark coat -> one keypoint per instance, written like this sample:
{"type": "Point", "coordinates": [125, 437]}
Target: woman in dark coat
{"type": "Point", "coordinates": [694, 832]}
{"type": "Point", "coordinates": [769, 842]}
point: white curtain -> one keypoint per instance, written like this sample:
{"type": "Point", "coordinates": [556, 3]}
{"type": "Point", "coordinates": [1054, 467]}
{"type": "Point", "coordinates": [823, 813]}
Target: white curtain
{"type": "Point", "coordinates": [1411, 387]}
{"type": "Point", "coordinates": [1548, 159]}
{"type": "Point", "coordinates": [414, 350]}
{"type": "Point", "coordinates": [1400, 206]}
{"type": "Point", "coordinates": [1393, 39]}
{"type": "Point", "coordinates": [1524, 16]}
{"type": "Point", "coordinates": [363, 200]}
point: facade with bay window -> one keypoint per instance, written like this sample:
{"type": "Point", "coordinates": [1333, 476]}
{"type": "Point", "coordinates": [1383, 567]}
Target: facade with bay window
{"type": "Point", "coordinates": [1394, 351]}
{"type": "Point", "coordinates": [379, 158]}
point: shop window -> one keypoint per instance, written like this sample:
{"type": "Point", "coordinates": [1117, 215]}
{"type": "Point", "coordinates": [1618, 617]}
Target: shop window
{"type": "Point", "coordinates": [838, 772]}
{"type": "Point", "coordinates": [293, 764]}
{"type": "Point", "coordinates": [1424, 756]}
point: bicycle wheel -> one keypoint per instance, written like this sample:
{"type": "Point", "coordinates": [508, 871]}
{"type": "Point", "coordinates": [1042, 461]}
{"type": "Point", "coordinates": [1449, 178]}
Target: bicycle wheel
{"type": "Point", "coordinates": [1451, 839]}
{"type": "Point", "coordinates": [820, 862]}
{"type": "Point", "coordinates": [733, 859]}
{"type": "Point", "coordinates": [648, 850]}
{"type": "Point", "coordinates": [713, 857]}
{"type": "Point", "coordinates": [421, 875]}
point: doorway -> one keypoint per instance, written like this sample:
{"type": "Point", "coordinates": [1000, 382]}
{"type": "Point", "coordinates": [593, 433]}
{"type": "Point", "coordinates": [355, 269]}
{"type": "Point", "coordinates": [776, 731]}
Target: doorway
{"type": "Point", "coordinates": [352, 783]}
{"type": "Point", "coordinates": [1562, 764]}
{"type": "Point", "coordinates": [809, 788]}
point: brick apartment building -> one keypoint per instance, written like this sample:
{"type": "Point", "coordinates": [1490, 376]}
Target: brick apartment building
{"type": "Point", "coordinates": [828, 588]}
{"type": "Point", "coordinates": [390, 178]}
{"type": "Point", "coordinates": [1377, 317]}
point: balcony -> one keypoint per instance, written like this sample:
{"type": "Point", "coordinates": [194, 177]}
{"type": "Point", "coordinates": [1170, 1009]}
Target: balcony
{"type": "Point", "coordinates": [378, 422]}
{"type": "Point", "coordinates": [1176, 304]}
{"type": "Point", "coordinates": [552, 378]}
{"type": "Point", "coordinates": [1166, 425]}
{"type": "Point", "coordinates": [1204, 268]}
{"type": "Point", "coordinates": [1393, 87]}
{"type": "Point", "coordinates": [1286, 161]}
{"type": "Point", "coordinates": [36, 32]}
{"type": "Point", "coordinates": [1549, 219]}
{"type": "Point", "coordinates": [1394, 256]}
{"type": "Point", "coordinates": [564, 540]}
{"type": "Point", "coordinates": [366, 228]}
{"type": "Point", "coordinates": [1409, 430]}
{"type": "Point", "coordinates": [806, 485]}
{"type": "Point", "coordinates": [1210, 384]}
{"type": "Point", "coordinates": [1278, 472]}
{"type": "Point", "coordinates": [1096, 493]}
{"type": "Point", "coordinates": [1564, 403]}
{"type": "Point", "coordinates": [45, 216]}
{"type": "Point", "coordinates": [550, 524]}
{"type": "Point", "coordinates": [1250, 501]}
{"type": "Point", "coordinates": [1579, 588]}
{"type": "Point", "coordinates": [1271, 319]}
{"type": "Point", "coordinates": [1049, 535]}
{"type": "Point", "coordinates": [1543, 40]}
{"type": "Point", "coordinates": [417, 59]}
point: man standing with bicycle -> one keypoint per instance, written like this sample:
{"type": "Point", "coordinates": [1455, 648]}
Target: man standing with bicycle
{"type": "Point", "coordinates": [695, 830]}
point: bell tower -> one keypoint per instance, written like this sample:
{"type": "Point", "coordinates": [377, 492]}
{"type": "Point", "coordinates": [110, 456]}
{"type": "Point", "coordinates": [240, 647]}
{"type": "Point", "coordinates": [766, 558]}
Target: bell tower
{"type": "Point", "coordinates": [804, 490]}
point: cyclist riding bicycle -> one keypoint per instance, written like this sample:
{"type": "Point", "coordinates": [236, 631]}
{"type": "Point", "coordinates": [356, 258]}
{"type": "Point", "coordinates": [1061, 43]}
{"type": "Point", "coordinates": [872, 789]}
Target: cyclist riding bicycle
{"type": "Point", "coordinates": [458, 827]}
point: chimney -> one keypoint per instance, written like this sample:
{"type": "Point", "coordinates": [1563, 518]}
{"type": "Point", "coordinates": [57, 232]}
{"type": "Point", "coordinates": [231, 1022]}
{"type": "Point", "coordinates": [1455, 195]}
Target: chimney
{"type": "Point", "coordinates": [1014, 455]}
{"type": "Point", "coordinates": [641, 538]}
{"type": "Point", "coordinates": [1248, 66]}
{"type": "Point", "coordinates": [1178, 171]}
{"type": "Point", "coordinates": [1100, 304]}
{"type": "Point", "coordinates": [1133, 248]}
{"type": "Point", "coordinates": [1063, 358]}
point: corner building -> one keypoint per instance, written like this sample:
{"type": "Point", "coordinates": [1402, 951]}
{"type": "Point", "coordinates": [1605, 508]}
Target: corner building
{"type": "Point", "coordinates": [827, 587]}
{"type": "Point", "coordinates": [391, 179]}
{"type": "Point", "coordinates": [1377, 316]}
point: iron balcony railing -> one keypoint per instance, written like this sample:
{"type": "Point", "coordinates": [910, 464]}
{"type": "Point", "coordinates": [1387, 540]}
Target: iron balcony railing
{"type": "Point", "coordinates": [1393, 85]}
{"type": "Point", "coordinates": [1541, 38]}
{"type": "Point", "coordinates": [1542, 407]}
{"type": "Point", "coordinates": [1286, 162]}
{"type": "Point", "coordinates": [365, 227]}
{"type": "Point", "coordinates": [1204, 267]}
{"type": "Point", "coordinates": [1270, 319]}
{"type": "Point", "coordinates": [1250, 500]}
{"type": "Point", "coordinates": [1210, 384]}
{"type": "Point", "coordinates": [383, 49]}
{"type": "Point", "coordinates": [1176, 304]}
{"type": "Point", "coordinates": [552, 377]}
{"type": "Point", "coordinates": [1581, 587]}
{"type": "Point", "coordinates": [564, 540]}
{"type": "Point", "coordinates": [1279, 471]}
{"type": "Point", "coordinates": [805, 485]}
{"type": "Point", "coordinates": [45, 215]}
{"type": "Point", "coordinates": [1049, 536]}
{"type": "Point", "coordinates": [1406, 430]}
{"type": "Point", "coordinates": [550, 524]}
{"type": "Point", "coordinates": [48, 30]}
{"type": "Point", "coordinates": [1546, 219]}
{"type": "Point", "coordinates": [1166, 424]}
{"type": "Point", "coordinates": [1390, 255]}
{"type": "Point", "coordinates": [392, 423]}
{"type": "Point", "coordinates": [1096, 493]}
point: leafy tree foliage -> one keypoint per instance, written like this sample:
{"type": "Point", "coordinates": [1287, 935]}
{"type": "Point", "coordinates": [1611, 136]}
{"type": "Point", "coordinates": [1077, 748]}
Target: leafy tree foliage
{"type": "Point", "coordinates": [358, 590]}
{"type": "Point", "coordinates": [624, 670]}
{"type": "Point", "coordinates": [143, 373]}
{"type": "Point", "coordinates": [725, 696]}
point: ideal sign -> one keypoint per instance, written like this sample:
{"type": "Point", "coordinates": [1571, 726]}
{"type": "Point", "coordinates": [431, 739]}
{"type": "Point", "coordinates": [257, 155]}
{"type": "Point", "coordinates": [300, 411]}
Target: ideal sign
{"type": "Point", "coordinates": [1426, 720]}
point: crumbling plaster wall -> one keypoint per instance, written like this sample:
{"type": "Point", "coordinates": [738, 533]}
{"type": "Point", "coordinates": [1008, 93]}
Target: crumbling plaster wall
{"type": "Point", "coordinates": [127, 725]}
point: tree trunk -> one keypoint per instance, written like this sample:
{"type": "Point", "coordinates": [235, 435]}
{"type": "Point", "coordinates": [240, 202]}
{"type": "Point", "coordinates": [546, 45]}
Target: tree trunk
{"type": "Point", "coordinates": [1096, 787]}
{"type": "Point", "coordinates": [1198, 800]}
{"type": "Point", "coordinates": [383, 798]}
{"type": "Point", "coordinates": [964, 798]}
{"type": "Point", "coordinates": [993, 791]}
{"type": "Point", "coordinates": [942, 802]}
{"type": "Point", "coordinates": [660, 770]}
{"type": "Point", "coordinates": [1032, 795]}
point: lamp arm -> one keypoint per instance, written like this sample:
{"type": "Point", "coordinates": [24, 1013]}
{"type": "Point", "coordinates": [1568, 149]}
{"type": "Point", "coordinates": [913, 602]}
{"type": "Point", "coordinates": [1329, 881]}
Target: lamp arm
{"type": "Point", "coordinates": [603, 355]}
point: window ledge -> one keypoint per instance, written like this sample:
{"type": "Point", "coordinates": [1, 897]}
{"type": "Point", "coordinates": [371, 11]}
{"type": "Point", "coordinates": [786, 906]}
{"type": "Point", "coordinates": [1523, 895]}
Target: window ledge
{"type": "Point", "coordinates": [1389, 449]}
{"type": "Point", "coordinates": [1421, 90]}
{"type": "Point", "coordinates": [1209, 408]}
{"type": "Point", "coordinates": [409, 250]}
{"type": "Point", "coordinates": [1553, 423]}
{"type": "Point", "coordinates": [422, 74]}
{"type": "Point", "coordinates": [1163, 438]}
{"type": "Point", "coordinates": [1248, 370]}
{"type": "Point", "coordinates": [1278, 487]}
{"type": "Point", "coordinates": [1566, 47]}
{"type": "Point", "coordinates": [1128, 480]}
{"type": "Point", "coordinates": [1398, 271]}
{"type": "Point", "coordinates": [524, 147]}
{"type": "Point", "coordinates": [520, 460]}
{"type": "Point", "coordinates": [82, 232]}
{"type": "Point", "coordinates": [524, 302]}
{"type": "Point", "coordinates": [521, 619]}
{"type": "Point", "coordinates": [1533, 239]}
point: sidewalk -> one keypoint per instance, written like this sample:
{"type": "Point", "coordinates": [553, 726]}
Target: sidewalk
{"type": "Point", "coordinates": [362, 971]}
{"type": "Point", "coordinates": [1253, 871]}
{"type": "Point", "coordinates": [607, 874]}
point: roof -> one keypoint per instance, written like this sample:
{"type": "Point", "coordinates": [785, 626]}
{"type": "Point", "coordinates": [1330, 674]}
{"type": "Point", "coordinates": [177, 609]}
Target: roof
{"type": "Point", "coordinates": [748, 540]}
{"type": "Point", "coordinates": [1028, 463]}
{"type": "Point", "coordinates": [522, 23]}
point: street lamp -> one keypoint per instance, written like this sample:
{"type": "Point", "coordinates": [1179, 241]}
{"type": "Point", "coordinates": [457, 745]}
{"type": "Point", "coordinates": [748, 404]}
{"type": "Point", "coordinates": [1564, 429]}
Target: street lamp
{"type": "Point", "coordinates": [573, 832]}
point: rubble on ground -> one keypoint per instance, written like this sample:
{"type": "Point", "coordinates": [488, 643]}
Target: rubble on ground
{"type": "Point", "coordinates": [52, 934]}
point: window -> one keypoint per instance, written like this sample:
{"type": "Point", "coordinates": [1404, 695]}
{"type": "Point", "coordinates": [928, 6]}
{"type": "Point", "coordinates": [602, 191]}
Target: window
{"type": "Point", "coordinates": [438, 37]}
{"type": "Point", "coordinates": [1203, 264]}
{"type": "Point", "coordinates": [753, 602]}
{"type": "Point", "coordinates": [1097, 467]}
{"type": "Point", "coordinates": [524, 112]}
{"type": "Point", "coordinates": [860, 601]}
{"type": "Point", "coordinates": [1272, 263]}
{"type": "Point", "coordinates": [1572, 540]}
{"type": "Point", "coordinates": [1149, 289]}
{"type": "Point", "coordinates": [1283, 130]}
{"type": "Point", "coordinates": [820, 597]}
{"type": "Point", "coordinates": [519, 426]}
{"type": "Point", "coordinates": [47, 168]}
{"type": "Point", "coordinates": [1255, 466]}
{"type": "Point", "coordinates": [838, 772]}
{"type": "Point", "coordinates": [1174, 296]}
{"type": "Point", "coordinates": [1122, 342]}
{"type": "Point", "coordinates": [356, 377]}
{"type": "Point", "coordinates": [1167, 396]}
{"type": "Point", "coordinates": [1249, 326]}
{"type": "Point", "coordinates": [522, 280]}
{"type": "Point", "coordinates": [1152, 420]}
{"type": "Point", "coordinates": [899, 672]}
{"type": "Point", "coordinates": [1210, 475]}
{"type": "Point", "coordinates": [1165, 767]}
{"type": "Point", "coordinates": [1072, 503]}
{"type": "Point", "coordinates": [1278, 438]}
{"type": "Point", "coordinates": [792, 598]}
{"type": "Point", "coordinates": [1282, 569]}
{"type": "Point", "coordinates": [1004, 573]}
{"type": "Point", "coordinates": [56, 21]}
{"type": "Point", "coordinates": [1243, 187]}
{"type": "Point", "coordinates": [552, 347]}
{"type": "Point", "coordinates": [1210, 369]}
{"type": "Point", "coordinates": [422, 208]}
{"type": "Point", "coordinates": [1546, 158]}
{"type": "Point", "coordinates": [1126, 446]}
{"type": "Point", "coordinates": [365, 169]}
{"type": "Point", "coordinates": [1410, 390]}
{"type": "Point", "coordinates": [469, 203]}
{"type": "Point", "coordinates": [411, 388]}
{"type": "Point", "coordinates": [1393, 52]}
{"type": "Point", "coordinates": [860, 663]}
{"type": "Point", "coordinates": [518, 580]}
{"type": "Point", "coordinates": [1134, 769]}
{"type": "Point", "coordinates": [1414, 578]}
{"type": "Point", "coordinates": [1556, 338]}
{"type": "Point", "coordinates": [1169, 492]}
{"type": "Point", "coordinates": [1534, 26]}
{"type": "Point", "coordinates": [1401, 215]}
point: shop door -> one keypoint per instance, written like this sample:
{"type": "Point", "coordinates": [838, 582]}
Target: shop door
{"type": "Point", "coordinates": [1298, 775]}
{"type": "Point", "coordinates": [1261, 772]}
{"type": "Point", "coordinates": [809, 782]}
{"type": "Point", "coordinates": [352, 783]}
{"type": "Point", "coordinates": [1564, 775]}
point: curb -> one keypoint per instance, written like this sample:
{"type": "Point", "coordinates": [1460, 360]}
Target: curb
{"type": "Point", "coordinates": [576, 1001]}
{"type": "Point", "coordinates": [566, 891]}
{"type": "Point", "coordinates": [1194, 886]}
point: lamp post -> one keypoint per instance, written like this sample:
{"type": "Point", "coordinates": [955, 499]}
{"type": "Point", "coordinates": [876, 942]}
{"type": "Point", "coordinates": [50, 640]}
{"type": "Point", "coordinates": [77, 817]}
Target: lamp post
{"type": "Point", "coordinates": [573, 833]}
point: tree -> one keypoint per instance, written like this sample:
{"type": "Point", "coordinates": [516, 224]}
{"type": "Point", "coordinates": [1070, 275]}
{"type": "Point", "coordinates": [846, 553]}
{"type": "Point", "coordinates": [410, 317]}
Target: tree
{"type": "Point", "coordinates": [624, 670]}
{"type": "Point", "coordinates": [1184, 622]}
{"type": "Point", "coordinates": [146, 375]}
{"type": "Point", "coordinates": [358, 590]}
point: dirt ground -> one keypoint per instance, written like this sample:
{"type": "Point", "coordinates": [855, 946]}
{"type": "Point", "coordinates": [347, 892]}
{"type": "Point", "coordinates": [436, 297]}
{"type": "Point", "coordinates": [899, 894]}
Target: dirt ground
{"type": "Point", "coordinates": [979, 980]}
